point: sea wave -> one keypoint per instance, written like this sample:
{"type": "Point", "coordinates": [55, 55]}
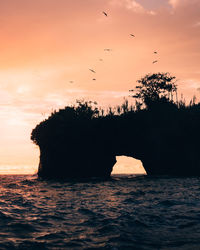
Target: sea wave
{"type": "Point", "coordinates": [125, 212]}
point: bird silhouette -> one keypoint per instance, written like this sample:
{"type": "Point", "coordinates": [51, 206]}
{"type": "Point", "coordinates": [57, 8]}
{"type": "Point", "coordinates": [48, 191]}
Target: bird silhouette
{"type": "Point", "coordinates": [155, 52]}
{"type": "Point", "coordinates": [92, 70]}
{"type": "Point", "coordinates": [107, 49]}
{"type": "Point", "coordinates": [104, 13]}
{"type": "Point", "coordinates": [71, 81]}
{"type": "Point", "coordinates": [154, 61]}
{"type": "Point", "coordinates": [132, 35]}
{"type": "Point", "coordinates": [94, 79]}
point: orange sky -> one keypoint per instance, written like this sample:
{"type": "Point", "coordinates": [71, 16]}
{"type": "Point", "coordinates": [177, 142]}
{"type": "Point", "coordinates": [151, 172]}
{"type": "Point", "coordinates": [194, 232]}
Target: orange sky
{"type": "Point", "coordinates": [45, 44]}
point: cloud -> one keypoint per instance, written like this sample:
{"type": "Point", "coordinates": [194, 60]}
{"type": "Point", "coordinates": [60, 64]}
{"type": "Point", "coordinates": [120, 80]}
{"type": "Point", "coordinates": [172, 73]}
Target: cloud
{"type": "Point", "coordinates": [189, 88]}
{"type": "Point", "coordinates": [174, 3]}
{"type": "Point", "coordinates": [180, 3]}
{"type": "Point", "coordinates": [197, 24]}
{"type": "Point", "coordinates": [132, 5]}
{"type": "Point", "coordinates": [189, 84]}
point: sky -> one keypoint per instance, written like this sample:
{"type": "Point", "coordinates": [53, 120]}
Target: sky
{"type": "Point", "coordinates": [48, 46]}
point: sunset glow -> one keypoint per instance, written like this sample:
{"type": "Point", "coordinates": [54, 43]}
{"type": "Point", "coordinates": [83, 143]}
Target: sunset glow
{"type": "Point", "coordinates": [48, 46]}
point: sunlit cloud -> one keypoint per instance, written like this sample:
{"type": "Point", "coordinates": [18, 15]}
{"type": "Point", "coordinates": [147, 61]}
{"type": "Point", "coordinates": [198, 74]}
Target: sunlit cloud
{"type": "Point", "coordinates": [190, 88]}
{"type": "Point", "coordinates": [190, 84]}
{"type": "Point", "coordinates": [133, 6]}
{"type": "Point", "coordinates": [129, 4]}
{"type": "Point", "coordinates": [197, 24]}
{"type": "Point", "coordinates": [178, 3]}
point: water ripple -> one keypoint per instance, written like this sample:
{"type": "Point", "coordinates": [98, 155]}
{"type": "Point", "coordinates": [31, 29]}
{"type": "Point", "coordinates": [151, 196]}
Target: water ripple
{"type": "Point", "coordinates": [126, 212]}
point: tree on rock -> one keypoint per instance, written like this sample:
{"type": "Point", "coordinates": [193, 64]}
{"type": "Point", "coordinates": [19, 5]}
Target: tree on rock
{"type": "Point", "coordinates": [154, 88]}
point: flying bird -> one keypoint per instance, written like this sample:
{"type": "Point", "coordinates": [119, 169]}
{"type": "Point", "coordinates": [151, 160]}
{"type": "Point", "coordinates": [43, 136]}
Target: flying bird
{"type": "Point", "coordinates": [71, 81]}
{"type": "Point", "coordinates": [104, 13]}
{"type": "Point", "coordinates": [94, 79]}
{"type": "Point", "coordinates": [132, 35]}
{"type": "Point", "coordinates": [155, 52]}
{"type": "Point", "coordinates": [107, 49]}
{"type": "Point", "coordinates": [92, 70]}
{"type": "Point", "coordinates": [155, 61]}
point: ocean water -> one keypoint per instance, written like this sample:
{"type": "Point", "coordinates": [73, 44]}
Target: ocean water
{"type": "Point", "coordinates": [125, 212]}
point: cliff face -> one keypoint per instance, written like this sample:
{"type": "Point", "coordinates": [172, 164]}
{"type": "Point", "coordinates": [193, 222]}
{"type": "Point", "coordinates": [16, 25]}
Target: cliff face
{"type": "Point", "coordinates": [178, 157]}
{"type": "Point", "coordinates": [86, 152]}
{"type": "Point", "coordinates": [60, 162]}
{"type": "Point", "coordinates": [167, 143]}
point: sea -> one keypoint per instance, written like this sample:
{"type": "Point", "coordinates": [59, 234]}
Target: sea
{"type": "Point", "coordinates": [124, 212]}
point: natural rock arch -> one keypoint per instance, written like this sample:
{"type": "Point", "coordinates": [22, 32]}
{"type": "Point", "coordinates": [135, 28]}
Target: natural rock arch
{"type": "Point", "coordinates": [165, 139]}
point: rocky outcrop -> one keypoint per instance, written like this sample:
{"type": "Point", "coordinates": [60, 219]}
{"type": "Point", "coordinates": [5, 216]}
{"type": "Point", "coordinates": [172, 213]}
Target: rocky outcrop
{"type": "Point", "coordinates": [61, 163]}
{"type": "Point", "coordinates": [166, 141]}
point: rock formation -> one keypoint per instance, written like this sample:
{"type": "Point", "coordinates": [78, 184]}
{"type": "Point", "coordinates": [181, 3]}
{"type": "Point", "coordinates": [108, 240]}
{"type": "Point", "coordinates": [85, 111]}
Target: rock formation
{"type": "Point", "coordinates": [78, 142]}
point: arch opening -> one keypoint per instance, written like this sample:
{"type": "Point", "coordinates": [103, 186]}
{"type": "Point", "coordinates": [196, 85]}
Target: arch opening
{"type": "Point", "coordinates": [128, 165]}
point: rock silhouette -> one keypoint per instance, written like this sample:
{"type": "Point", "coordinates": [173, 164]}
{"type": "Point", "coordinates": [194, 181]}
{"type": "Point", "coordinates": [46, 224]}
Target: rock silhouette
{"type": "Point", "coordinates": [82, 141]}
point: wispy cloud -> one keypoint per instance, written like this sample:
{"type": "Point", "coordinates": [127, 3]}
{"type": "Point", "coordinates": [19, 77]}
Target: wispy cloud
{"type": "Point", "coordinates": [197, 24]}
{"type": "Point", "coordinates": [180, 3]}
{"type": "Point", "coordinates": [133, 6]}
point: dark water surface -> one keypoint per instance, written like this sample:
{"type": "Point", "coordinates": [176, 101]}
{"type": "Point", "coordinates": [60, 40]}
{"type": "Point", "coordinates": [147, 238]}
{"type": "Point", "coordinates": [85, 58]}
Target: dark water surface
{"type": "Point", "coordinates": [126, 212]}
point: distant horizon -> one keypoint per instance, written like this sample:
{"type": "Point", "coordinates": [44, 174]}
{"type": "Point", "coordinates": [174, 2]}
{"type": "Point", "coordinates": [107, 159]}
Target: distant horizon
{"type": "Point", "coordinates": [124, 165]}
